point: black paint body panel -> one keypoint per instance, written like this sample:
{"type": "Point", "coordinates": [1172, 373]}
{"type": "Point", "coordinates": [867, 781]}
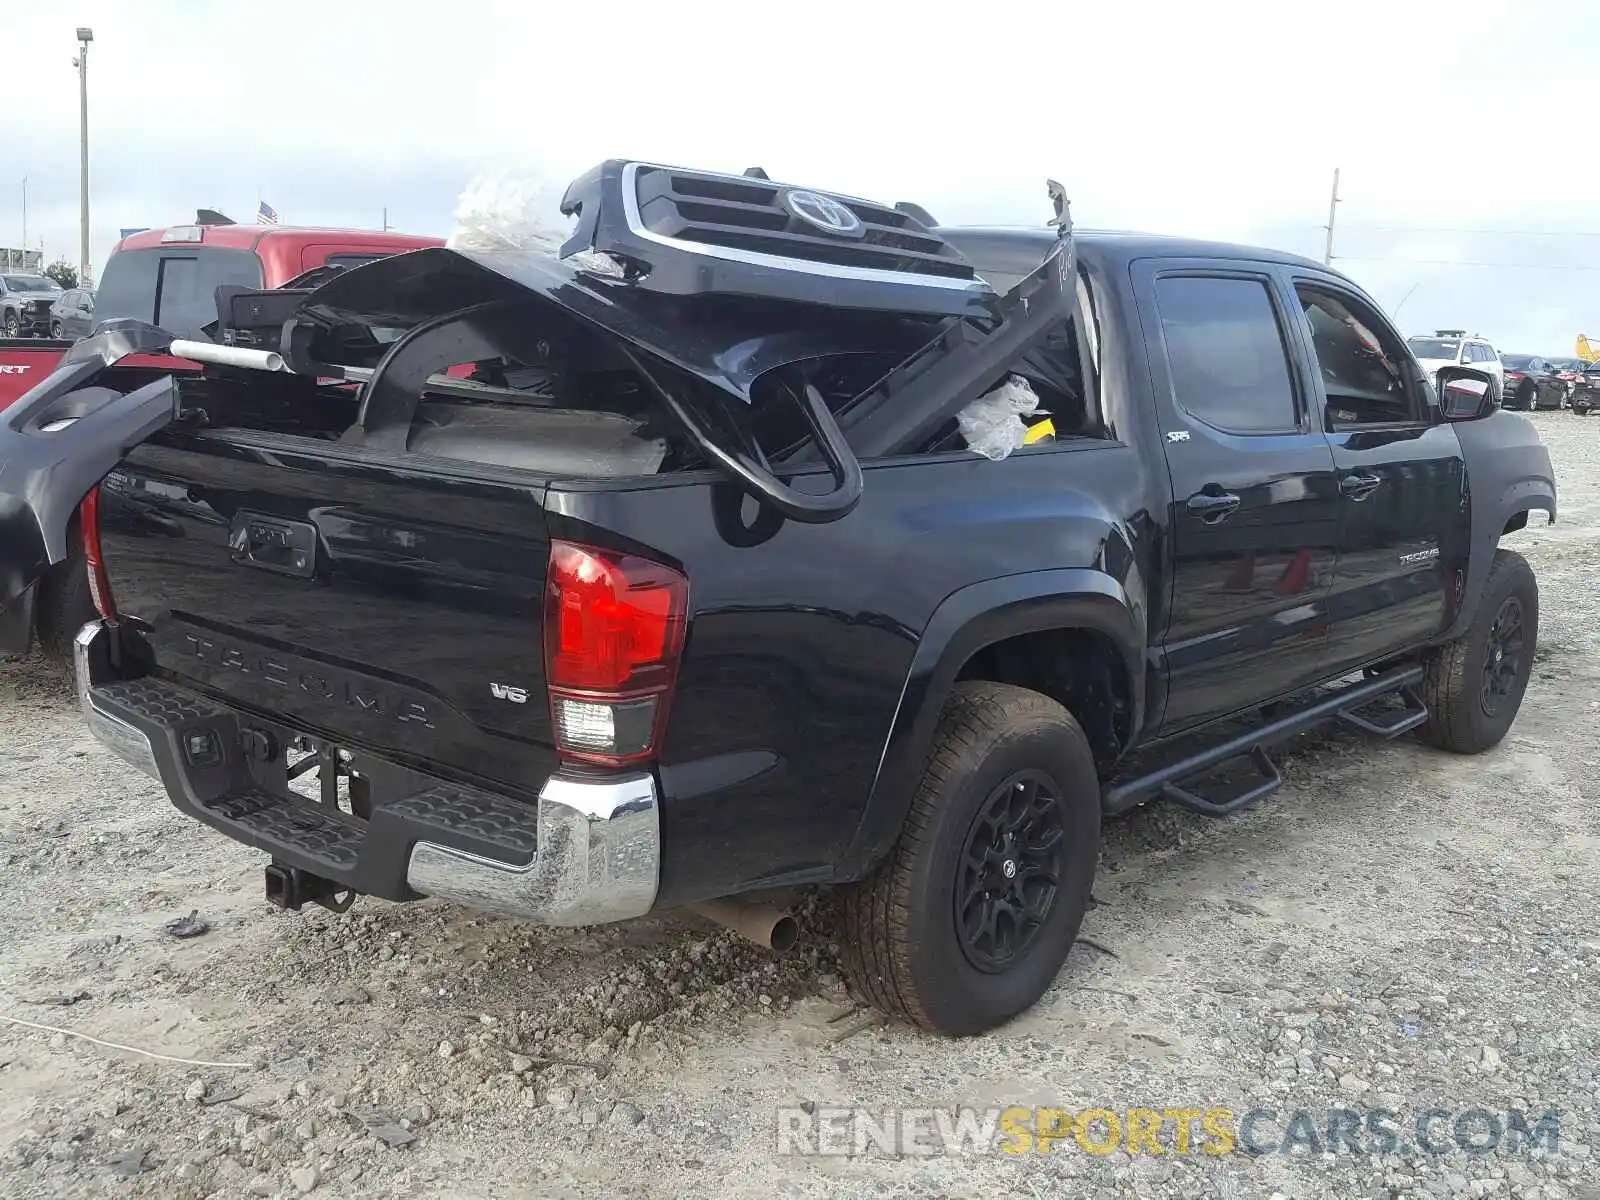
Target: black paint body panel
{"type": "Point", "coordinates": [817, 655]}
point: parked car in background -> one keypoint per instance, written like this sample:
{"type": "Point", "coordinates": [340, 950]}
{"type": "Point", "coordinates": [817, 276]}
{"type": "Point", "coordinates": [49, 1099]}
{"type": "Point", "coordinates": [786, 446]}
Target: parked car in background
{"type": "Point", "coordinates": [1569, 371]}
{"type": "Point", "coordinates": [169, 278]}
{"type": "Point", "coordinates": [1453, 348]}
{"type": "Point", "coordinates": [1586, 392]}
{"type": "Point", "coordinates": [1532, 382]}
{"type": "Point", "coordinates": [25, 302]}
{"type": "Point", "coordinates": [72, 315]}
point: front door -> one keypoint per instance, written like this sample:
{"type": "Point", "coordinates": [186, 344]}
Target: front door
{"type": "Point", "coordinates": [1401, 479]}
{"type": "Point", "coordinates": [1254, 515]}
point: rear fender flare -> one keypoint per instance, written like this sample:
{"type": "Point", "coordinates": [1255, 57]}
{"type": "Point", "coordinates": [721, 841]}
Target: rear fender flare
{"type": "Point", "coordinates": [965, 622]}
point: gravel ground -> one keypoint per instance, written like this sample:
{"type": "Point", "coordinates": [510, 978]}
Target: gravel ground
{"type": "Point", "coordinates": [1396, 929]}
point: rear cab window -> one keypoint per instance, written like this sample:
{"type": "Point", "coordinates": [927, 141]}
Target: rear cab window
{"type": "Point", "coordinates": [174, 288]}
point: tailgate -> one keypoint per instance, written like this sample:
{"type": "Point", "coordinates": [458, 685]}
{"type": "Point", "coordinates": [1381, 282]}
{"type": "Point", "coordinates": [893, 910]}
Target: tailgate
{"type": "Point", "coordinates": [374, 607]}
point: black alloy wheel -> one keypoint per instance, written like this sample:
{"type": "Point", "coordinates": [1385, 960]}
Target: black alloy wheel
{"type": "Point", "coordinates": [1010, 871]}
{"type": "Point", "coordinates": [1502, 661]}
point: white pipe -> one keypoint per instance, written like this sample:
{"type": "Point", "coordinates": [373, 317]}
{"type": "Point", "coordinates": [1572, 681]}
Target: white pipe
{"type": "Point", "coordinates": [228, 356]}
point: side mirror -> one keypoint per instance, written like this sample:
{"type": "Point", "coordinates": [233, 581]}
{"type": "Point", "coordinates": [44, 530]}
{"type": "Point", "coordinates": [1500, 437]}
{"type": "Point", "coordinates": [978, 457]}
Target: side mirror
{"type": "Point", "coordinates": [1465, 394]}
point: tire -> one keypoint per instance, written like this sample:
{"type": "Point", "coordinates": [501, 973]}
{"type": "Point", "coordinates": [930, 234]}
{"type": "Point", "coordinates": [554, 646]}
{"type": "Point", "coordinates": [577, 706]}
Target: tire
{"type": "Point", "coordinates": [996, 747]}
{"type": "Point", "coordinates": [1528, 399]}
{"type": "Point", "coordinates": [56, 331]}
{"type": "Point", "coordinates": [13, 326]}
{"type": "Point", "coordinates": [1465, 714]}
{"type": "Point", "coordinates": [65, 604]}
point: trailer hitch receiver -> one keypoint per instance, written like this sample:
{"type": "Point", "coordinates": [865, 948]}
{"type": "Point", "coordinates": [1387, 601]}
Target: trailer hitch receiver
{"type": "Point", "coordinates": [290, 888]}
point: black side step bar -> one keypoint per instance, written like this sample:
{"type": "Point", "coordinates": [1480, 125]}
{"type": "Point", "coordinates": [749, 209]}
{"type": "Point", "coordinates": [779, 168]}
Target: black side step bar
{"type": "Point", "coordinates": [1416, 713]}
{"type": "Point", "coordinates": [1167, 783]}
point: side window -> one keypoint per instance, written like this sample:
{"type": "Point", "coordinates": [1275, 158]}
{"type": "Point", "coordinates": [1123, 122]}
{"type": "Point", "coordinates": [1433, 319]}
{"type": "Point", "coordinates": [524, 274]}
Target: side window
{"type": "Point", "coordinates": [346, 262]}
{"type": "Point", "coordinates": [1226, 353]}
{"type": "Point", "coordinates": [1360, 359]}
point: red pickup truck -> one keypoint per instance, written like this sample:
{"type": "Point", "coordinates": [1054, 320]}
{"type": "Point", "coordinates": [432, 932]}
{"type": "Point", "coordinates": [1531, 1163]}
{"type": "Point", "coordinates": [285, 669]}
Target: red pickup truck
{"type": "Point", "coordinates": [169, 277]}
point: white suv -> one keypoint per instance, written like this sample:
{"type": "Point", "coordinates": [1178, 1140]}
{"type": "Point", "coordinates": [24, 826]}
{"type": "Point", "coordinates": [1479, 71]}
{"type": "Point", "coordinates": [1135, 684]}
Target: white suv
{"type": "Point", "coordinates": [1453, 348]}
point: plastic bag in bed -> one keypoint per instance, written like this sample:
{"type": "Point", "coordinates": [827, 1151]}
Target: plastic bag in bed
{"type": "Point", "coordinates": [507, 212]}
{"type": "Point", "coordinates": [992, 424]}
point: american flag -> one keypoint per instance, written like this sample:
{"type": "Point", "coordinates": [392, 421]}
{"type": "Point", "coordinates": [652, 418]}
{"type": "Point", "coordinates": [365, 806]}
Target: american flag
{"type": "Point", "coordinates": [266, 214]}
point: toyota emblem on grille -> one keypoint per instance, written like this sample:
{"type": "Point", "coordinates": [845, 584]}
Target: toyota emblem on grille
{"type": "Point", "coordinates": [824, 212]}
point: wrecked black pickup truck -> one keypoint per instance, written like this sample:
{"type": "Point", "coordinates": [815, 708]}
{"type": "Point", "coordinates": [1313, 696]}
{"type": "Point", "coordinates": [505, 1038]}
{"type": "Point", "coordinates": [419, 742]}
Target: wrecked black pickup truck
{"type": "Point", "coordinates": [696, 593]}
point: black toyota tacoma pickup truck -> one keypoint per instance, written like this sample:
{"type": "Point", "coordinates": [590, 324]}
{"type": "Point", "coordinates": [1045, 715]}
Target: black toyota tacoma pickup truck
{"type": "Point", "coordinates": [694, 594]}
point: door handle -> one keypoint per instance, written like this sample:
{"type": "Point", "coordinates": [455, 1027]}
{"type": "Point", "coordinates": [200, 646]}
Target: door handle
{"type": "Point", "coordinates": [1212, 507]}
{"type": "Point", "coordinates": [1359, 487]}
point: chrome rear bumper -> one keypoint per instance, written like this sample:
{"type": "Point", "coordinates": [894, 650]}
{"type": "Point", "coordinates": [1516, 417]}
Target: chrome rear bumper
{"type": "Point", "coordinates": [598, 859]}
{"type": "Point", "coordinates": [596, 839]}
{"type": "Point", "coordinates": [117, 735]}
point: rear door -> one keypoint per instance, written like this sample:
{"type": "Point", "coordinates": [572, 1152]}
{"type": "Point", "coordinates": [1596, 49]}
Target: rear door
{"type": "Point", "coordinates": [1401, 479]}
{"type": "Point", "coordinates": [1254, 517]}
{"type": "Point", "coordinates": [1551, 389]}
{"type": "Point", "coordinates": [79, 317]}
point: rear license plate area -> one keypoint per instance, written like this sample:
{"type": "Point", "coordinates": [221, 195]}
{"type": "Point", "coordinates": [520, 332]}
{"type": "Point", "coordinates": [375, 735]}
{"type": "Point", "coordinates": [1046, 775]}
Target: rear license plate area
{"type": "Point", "coordinates": [326, 775]}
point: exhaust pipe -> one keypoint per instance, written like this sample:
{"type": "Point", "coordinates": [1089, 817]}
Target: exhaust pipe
{"type": "Point", "coordinates": [762, 924]}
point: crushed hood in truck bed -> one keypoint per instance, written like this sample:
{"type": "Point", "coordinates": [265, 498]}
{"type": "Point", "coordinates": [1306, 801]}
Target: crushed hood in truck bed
{"type": "Point", "coordinates": [728, 345]}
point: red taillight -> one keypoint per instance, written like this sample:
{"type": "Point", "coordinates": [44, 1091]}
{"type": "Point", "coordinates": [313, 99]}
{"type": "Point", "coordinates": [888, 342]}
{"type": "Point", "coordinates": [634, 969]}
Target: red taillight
{"type": "Point", "coordinates": [613, 632]}
{"type": "Point", "coordinates": [99, 584]}
{"type": "Point", "coordinates": [1513, 374]}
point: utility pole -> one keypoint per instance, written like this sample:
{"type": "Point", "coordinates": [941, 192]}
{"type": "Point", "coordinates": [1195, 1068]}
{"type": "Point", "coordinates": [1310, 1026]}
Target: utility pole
{"type": "Point", "coordinates": [1333, 205]}
{"type": "Point", "coordinates": [85, 36]}
{"type": "Point", "coordinates": [24, 212]}
{"type": "Point", "coordinates": [386, 220]}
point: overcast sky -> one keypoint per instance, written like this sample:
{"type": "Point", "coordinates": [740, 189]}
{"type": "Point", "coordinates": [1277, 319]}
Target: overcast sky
{"type": "Point", "coordinates": [1222, 119]}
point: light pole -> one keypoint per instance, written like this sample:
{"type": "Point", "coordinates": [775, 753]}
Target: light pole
{"type": "Point", "coordinates": [85, 36]}
{"type": "Point", "coordinates": [1333, 207]}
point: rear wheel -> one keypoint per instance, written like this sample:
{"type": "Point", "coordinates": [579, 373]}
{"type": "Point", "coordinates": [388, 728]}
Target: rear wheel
{"type": "Point", "coordinates": [65, 604]}
{"type": "Point", "coordinates": [1474, 685]}
{"type": "Point", "coordinates": [971, 916]}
